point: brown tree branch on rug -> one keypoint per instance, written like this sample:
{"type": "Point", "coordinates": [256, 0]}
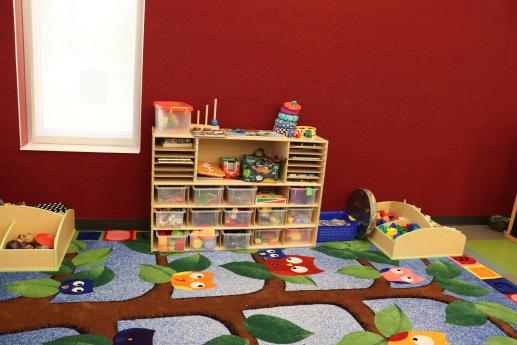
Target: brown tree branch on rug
{"type": "Point", "coordinates": [101, 317]}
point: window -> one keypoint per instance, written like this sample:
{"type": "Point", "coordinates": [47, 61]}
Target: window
{"type": "Point", "coordinates": [79, 74]}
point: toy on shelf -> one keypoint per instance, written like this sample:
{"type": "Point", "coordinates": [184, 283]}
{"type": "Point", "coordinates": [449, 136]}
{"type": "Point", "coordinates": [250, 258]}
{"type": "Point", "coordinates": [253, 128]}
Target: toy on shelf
{"type": "Point", "coordinates": [175, 241]}
{"type": "Point", "coordinates": [204, 218]}
{"type": "Point", "coordinates": [303, 195]}
{"type": "Point", "coordinates": [258, 167]}
{"type": "Point", "coordinates": [207, 196]}
{"type": "Point", "coordinates": [287, 120]}
{"type": "Point", "coordinates": [171, 195]}
{"type": "Point", "coordinates": [240, 195]}
{"type": "Point", "coordinates": [169, 218]}
{"type": "Point", "coordinates": [231, 167]}
{"type": "Point", "coordinates": [238, 132]}
{"type": "Point", "coordinates": [299, 216]}
{"type": "Point", "coordinates": [203, 239]}
{"type": "Point", "coordinates": [307, 131]}
{"type": "Point", "coordinates": [236, 239]}
{"type": "Point", "coordinates": [176, 142]}
{"type": "Point", "coordinates": [270, 197]}
{"type": "Point", "coordinates": [237, 218]}
{"type": "Point", "coordinates": [271, 217]}
{"type": "Point", "coordinates": [172, 116]}
{"type": "Point", "coordinates": [269, 237]}
{"type": "Point", "coordinates": [210, 169]}
{"type": "Point", "coordinates": [297, 235]}
{"type": "Point", "coordinates": [210, 130]}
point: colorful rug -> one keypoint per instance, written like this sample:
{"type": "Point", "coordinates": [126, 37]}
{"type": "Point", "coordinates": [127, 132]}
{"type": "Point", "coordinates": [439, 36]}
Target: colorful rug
{"type": "Point", "coordinates": [346, 293]}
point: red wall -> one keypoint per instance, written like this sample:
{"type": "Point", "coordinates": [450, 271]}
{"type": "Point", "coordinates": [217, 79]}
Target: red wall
{"type": "Point", "coordinates": [417, 98]}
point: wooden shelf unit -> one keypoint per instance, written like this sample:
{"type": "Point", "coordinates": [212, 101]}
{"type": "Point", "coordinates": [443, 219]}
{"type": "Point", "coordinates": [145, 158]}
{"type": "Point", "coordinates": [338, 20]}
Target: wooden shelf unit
{"type": "Point", "coordinates": [306, 158]}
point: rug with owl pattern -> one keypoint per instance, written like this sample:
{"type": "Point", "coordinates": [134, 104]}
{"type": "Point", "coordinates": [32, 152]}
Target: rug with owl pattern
{"type": "Point", "coordinates": [114, 291]}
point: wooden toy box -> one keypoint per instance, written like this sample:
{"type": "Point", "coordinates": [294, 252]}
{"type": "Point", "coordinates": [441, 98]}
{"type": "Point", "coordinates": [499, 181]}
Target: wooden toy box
{"type": "Point", "coordinates": [432, 240]}
{"type": "Point", "coordinates": [15, 220]}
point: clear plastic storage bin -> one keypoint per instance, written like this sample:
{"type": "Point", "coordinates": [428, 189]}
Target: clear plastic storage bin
{"type": "Point", "coordinates": [236, 239]}
{"type": "Point", "coordinates": [171, 195]}
{"type": "Point", "coordinates": [303, 195]}
{"type": "Point", "coordinates": [203, 239]}
{"type": "Point", "coordinates": [267, 237]}
{"type": "Point", "coordinates": [240, 195]}
{"type": "Point", "coordinates": [237, 218]}
{"type": "Point", "coordinates": [170, 218]}
{"type": "Point", "coordinates": [208, 195]}
{"type": "Point", "coordinates": [299, 216]}
{"type": "Point", "coordinates": [175, 242]}
{"type": "Point", "coordinates": [205, 218]}
{"type": "Point", "coordinates": [174, 117]}
{"type": "Point", "coordinates": [271, 217]}
{"type": "Point", "coordinates": [294, 236]}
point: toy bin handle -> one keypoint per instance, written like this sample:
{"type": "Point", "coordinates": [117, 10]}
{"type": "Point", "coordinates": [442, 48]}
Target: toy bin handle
{"type": "Point", "coordinates": [176, 107]}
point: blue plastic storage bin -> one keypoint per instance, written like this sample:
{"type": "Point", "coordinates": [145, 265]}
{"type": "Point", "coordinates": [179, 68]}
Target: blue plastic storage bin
{"type": "Point", "coordinates": [336, 233]}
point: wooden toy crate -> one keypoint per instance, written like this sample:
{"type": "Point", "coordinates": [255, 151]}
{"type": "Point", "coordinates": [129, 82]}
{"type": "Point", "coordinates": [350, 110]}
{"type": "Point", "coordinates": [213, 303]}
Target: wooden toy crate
{"type": "Point", "coordinates": [432, 240]}
{"type": "Point", "coordinates": [15, 220]}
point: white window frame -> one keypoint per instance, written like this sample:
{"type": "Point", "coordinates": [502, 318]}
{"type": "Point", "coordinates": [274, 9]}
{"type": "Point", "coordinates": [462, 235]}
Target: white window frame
{"type": "Point", "coordinates": [30, 142]}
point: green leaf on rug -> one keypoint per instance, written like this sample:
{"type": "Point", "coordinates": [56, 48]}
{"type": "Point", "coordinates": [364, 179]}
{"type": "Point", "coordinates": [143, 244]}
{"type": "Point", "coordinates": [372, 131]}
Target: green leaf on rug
{"type": "Point", "coordinates": [376, 256]}
{"type": "Point", "coordinates": [34, 288]}
{"type": "Point", "coordinates": [249, 269]}
{"type": "Point", "coordinates": [227, 340]}
{"type": "Point", "coordinates": [155, 274]}
{"type": "Point", "coordinates": [363, 338]}
{"type": "Point", "coordinates": [196, 262]}
{"type": "Point", "coordinates": [244, 251]}
{"type": "Point", "coordinates": [463, 313]}
{"type": "Point", "coordinates": [443, 269]}
{"type": "Point", "coordinates": [346, 254]}
{"type": "Point", "coordinates": [274, 329]}
{"type": "Point", "coordinates": [501, 341]}
{"type": "Point", "coordinates": [301, 280]}
{"type": "Point", "coordinates": [82, 339]}
{"type": "Point", "coordinates": [66, 267]}
{"type": "Point", "coordinates": [391, 321]}
{"type": "Point", "coordinates": [141, 245]}
{"type": "Point", "coordinates": [100, 275]}
{"type": "Point", "coordinates": [92, 257]}
{"type": "Point", "coordinates": [498, 311]}
{"type": "Point", "coordinates": [360, 271]}
{"type": "Point", "coordinates": [75, 246]}
{"type": "Point", "coordinates": [462, 287]}
{"type": "Point", "coordinates": [355, 245]}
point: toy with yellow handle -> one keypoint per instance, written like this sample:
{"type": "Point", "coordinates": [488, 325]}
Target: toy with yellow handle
{"type": "Point", "coordinates": [307, 131]}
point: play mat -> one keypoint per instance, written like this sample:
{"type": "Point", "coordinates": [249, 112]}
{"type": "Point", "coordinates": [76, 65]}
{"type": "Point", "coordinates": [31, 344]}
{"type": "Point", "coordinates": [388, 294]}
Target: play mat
{"type": "Point", "coordinates": [111, 290]}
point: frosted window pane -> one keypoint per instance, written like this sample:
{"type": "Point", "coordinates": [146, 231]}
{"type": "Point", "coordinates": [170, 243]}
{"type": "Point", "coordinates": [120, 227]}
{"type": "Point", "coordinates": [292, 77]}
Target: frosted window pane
{"type": "Point", "coordinates": [84, 54]}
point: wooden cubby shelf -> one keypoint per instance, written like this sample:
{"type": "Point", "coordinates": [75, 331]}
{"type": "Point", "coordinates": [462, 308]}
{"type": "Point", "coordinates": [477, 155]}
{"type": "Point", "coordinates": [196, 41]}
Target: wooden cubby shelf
{"type": "Point", "coordinates": [174, 168]}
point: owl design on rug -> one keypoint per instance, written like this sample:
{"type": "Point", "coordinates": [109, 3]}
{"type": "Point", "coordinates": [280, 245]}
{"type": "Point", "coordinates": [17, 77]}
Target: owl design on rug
{"type": "Point", "coordinates": [76, 286]}
{"type": "Point", "coordinates": [271, 253]}
{"type": "Point", "coordinates": [418, 338]}
{"type": "Point", "coordinates": [193, 280]}
{"type": "Point", "coordinates": [134, 336]}
{"type": "Point", "coordinates": [292, 265]}
{"type": "Point", "coordinates": [400, 275]}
